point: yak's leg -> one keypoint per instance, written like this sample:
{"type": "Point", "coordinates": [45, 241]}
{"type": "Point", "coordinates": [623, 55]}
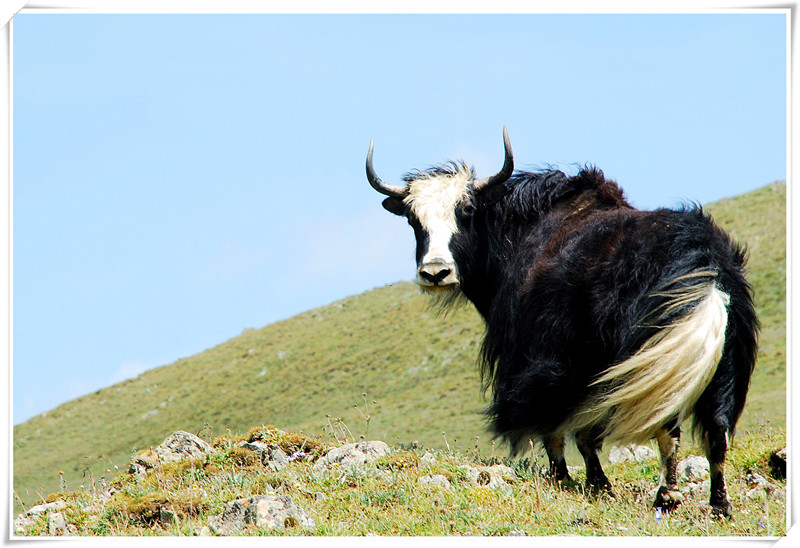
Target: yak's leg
{"type": "Point", "coordinates": [668, 496]}
{"type": "Point", "coordinates": [589, 443]}
{"type": "Point", "coordinates": [716, 445]}
{"type": "Point", "coordinates": [554, 446]}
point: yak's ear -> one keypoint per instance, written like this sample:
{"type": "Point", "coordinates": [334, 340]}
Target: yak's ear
{"type": "Point", "coordinates": [494, 193]}
{"type": "Point", "coordinates": [394, 205]}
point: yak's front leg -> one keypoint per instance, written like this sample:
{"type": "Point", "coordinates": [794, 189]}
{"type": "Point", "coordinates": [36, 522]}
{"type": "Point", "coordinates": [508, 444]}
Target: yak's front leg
{"type": "Point", "coordinates": [668, 496]}
{"type": "Point", "coordinates": [554, 446]}
{"type": "Point", "coordinates": [589, 443]}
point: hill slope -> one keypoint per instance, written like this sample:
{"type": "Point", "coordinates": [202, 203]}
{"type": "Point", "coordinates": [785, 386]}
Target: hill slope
{"type": "Point", "coordinates": [417, 370]}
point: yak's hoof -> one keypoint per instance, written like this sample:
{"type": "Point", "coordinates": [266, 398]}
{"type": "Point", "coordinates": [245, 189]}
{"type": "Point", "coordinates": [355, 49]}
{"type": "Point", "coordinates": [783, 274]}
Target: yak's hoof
{"type": "Point", "coordinates": [722, 510]}
{"type": "Point", "coordinates": [555, 479]}
{"type": "Point", "coordinates": [667, 499]}
{"type": "Point", "coordinates": [600, 488]}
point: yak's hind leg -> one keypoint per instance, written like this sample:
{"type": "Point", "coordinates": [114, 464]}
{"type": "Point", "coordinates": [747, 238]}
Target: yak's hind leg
{"type": "Point", "coordinates": [554, 445]}
{"type": "Point", "coordinates": [589, 443]}
{"type": "Point", "coordinates": [716, 446]}
{"type": "Point", "coordinates": [668, 496]}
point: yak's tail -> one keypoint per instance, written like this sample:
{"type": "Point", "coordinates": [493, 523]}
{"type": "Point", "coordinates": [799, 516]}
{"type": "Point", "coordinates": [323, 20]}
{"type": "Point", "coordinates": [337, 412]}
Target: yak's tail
{"type": "Point", "coordinates": [666, 376]}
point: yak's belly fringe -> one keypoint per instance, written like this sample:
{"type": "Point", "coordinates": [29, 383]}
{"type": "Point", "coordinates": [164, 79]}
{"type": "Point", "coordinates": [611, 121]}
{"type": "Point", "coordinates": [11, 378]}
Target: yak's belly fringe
{"type": "Point", "coordinates": [665, 377]}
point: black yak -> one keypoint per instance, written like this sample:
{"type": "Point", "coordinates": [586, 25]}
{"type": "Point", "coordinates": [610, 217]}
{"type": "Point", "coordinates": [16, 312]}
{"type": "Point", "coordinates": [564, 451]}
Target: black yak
{"type": "Point", "coordinates": [603, 322]}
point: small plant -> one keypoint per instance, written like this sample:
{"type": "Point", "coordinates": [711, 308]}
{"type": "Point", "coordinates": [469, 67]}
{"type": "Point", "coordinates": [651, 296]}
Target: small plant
{"type": "Point", "coordinates": [339, 431]}
{"type": "Point", "coordinates": [365, 413]}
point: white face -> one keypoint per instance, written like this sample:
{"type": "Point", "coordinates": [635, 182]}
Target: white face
{"type": "Point", "coordinates": [433, 200]}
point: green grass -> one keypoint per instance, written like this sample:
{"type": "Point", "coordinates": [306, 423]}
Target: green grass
{"type": "Point", "coordinates": [307, 374]}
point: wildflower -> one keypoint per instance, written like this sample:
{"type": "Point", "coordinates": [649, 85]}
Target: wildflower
{"type": "Point", "coordinates": [296, 455]}
{"type": "Point", "coordinates": [761, 524]}
{"type": "Point", "coordinates": [658, 515]}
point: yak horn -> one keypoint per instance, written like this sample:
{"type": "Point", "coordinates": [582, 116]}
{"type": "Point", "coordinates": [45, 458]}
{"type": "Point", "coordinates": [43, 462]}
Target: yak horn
{"type": "Point", "coordinates": [394, 191]}
{"type": "Point", "coordinates": [503, 175]}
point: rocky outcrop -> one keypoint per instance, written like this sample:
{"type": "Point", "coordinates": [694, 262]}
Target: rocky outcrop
{"type": "Point", "coordinates": [178, 446]}
{"type": "Point", "coordinates": [269, 511]}
{"type": "Point", "coordinates": [353, 454]}
{"type": "Point", "coordinates": [634, 453]}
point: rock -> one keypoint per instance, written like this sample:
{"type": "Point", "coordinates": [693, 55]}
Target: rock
{"type": "Point", "coordinates": [178, 446]}
{"type": "Point", "coordinates": [40, 508]}
{"type": "Point", "coordinates": [166, 516]}
{"type": "Point", "coordinates": [277, 459]}
{"type": "Point", "coordinates": [574, 469]}
{"type": "Point", "coordinates": [56, 524]}
{"type": "Point", "coordinates": [427, 461]}
{"type": "Point", "coordinates": [219, 528]}
{"type": "Point", "coordinates": [270, 512]}
{"type": "Point", "coordinates": [516, 533]}
{"type": "Point", "coordinates": [257, 446]}
{"type": "Point", "coordinates": [760, 487]}
{"type": "Point", "coordinates": [25, 520]}
{"type": "Point", "coordinates": [693, 469]}
{"type": "Point", "coordinates": [493, 477]}
{"type": "Point", "coordinates": [437, 480]}
{"type": "Point", "coordinates": [353, 454]}
{"type": "Point", "coordinates": [181, 445]}
{"type": "Point", "coordinates": [634, 453]}
{"type": "Point", "coordinates": [136, 468]}
{"type": "Point", "coordinates": [754, 479]}
{"type": "Point", "coordinates": [264, 511]}
{"type": "Point", "coordinates": [697, 490]}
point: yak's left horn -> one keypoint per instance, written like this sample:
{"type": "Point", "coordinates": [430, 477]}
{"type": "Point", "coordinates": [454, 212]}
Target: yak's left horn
{"type": "Point", "coordinates": [503, 175]}
{"type": "Point", "coordinates": [389, 190]}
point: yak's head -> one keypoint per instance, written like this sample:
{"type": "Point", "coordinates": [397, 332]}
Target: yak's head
{"type": "Point", "coordinates": [437, 203]}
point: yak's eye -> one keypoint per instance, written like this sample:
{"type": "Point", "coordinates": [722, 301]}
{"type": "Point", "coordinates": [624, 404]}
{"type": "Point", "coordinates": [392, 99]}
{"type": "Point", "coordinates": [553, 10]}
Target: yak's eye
{"type": "Point", "coordinates": [468, 209]}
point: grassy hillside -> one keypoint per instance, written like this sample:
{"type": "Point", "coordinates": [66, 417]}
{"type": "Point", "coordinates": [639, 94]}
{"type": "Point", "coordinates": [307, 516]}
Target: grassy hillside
{"type": "Point", "coordinates": [310, 373]}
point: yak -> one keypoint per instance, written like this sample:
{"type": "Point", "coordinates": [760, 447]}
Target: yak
{"type": "Point", "coordinates": [603, 322]}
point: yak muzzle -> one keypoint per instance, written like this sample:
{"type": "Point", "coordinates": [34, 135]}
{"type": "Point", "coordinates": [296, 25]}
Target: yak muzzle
{"type": "Point", "coordinates": [436, 273]}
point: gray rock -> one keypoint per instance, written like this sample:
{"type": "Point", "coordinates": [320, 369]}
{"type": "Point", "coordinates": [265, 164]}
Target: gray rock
{"type": "Point", "coordinates": [56, 524]}
{"type": "Point", "coordinates": [427, 461]}
{"type": "Point", "coordinates": [516, 533]}
{"type": "Point", "coordinates": [265, 511]}
{"type": "Point", "coordinates": [353, 454]}
{"type": "Point", "coordinates": [257, 446]}
{"type": "Point", "coordinates": [40, 508]}
{"type": "Point", "coordinates": [277, 459]}
{"type": "Point", "coordinates": [693, 469]}
{"type": "Point", "coordinates": [136, 468]}
{"type": "Point", "coordinates": [698, 490]}
{"type": "Point", "coordinates": [182, 445]}
{"type": "Point", "coordinates": [270, 512]}
{"type": "Point", "coordinates": [634, 453]}
{"type": "Point", "coordinates": [493, 477]}
{"type": "Point", "coordinates": [166, 516]}
{"type": "Point", "coordinates": [760, 487]}
{"type": "Point", "coordinates": [754, 479]}
{"type": "Point", "coordinates": [25, 520]}
{"type": "Point", "coordinates": [436, 480]}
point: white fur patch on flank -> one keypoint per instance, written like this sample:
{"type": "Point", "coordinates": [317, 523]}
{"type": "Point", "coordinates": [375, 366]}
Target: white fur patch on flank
{"type": "Point", "coordinates": [667, 375]}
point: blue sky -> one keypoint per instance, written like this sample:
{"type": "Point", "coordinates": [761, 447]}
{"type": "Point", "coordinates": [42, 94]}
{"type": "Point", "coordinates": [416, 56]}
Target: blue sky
{"type": "Point", "coordinates": [179, 178]}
